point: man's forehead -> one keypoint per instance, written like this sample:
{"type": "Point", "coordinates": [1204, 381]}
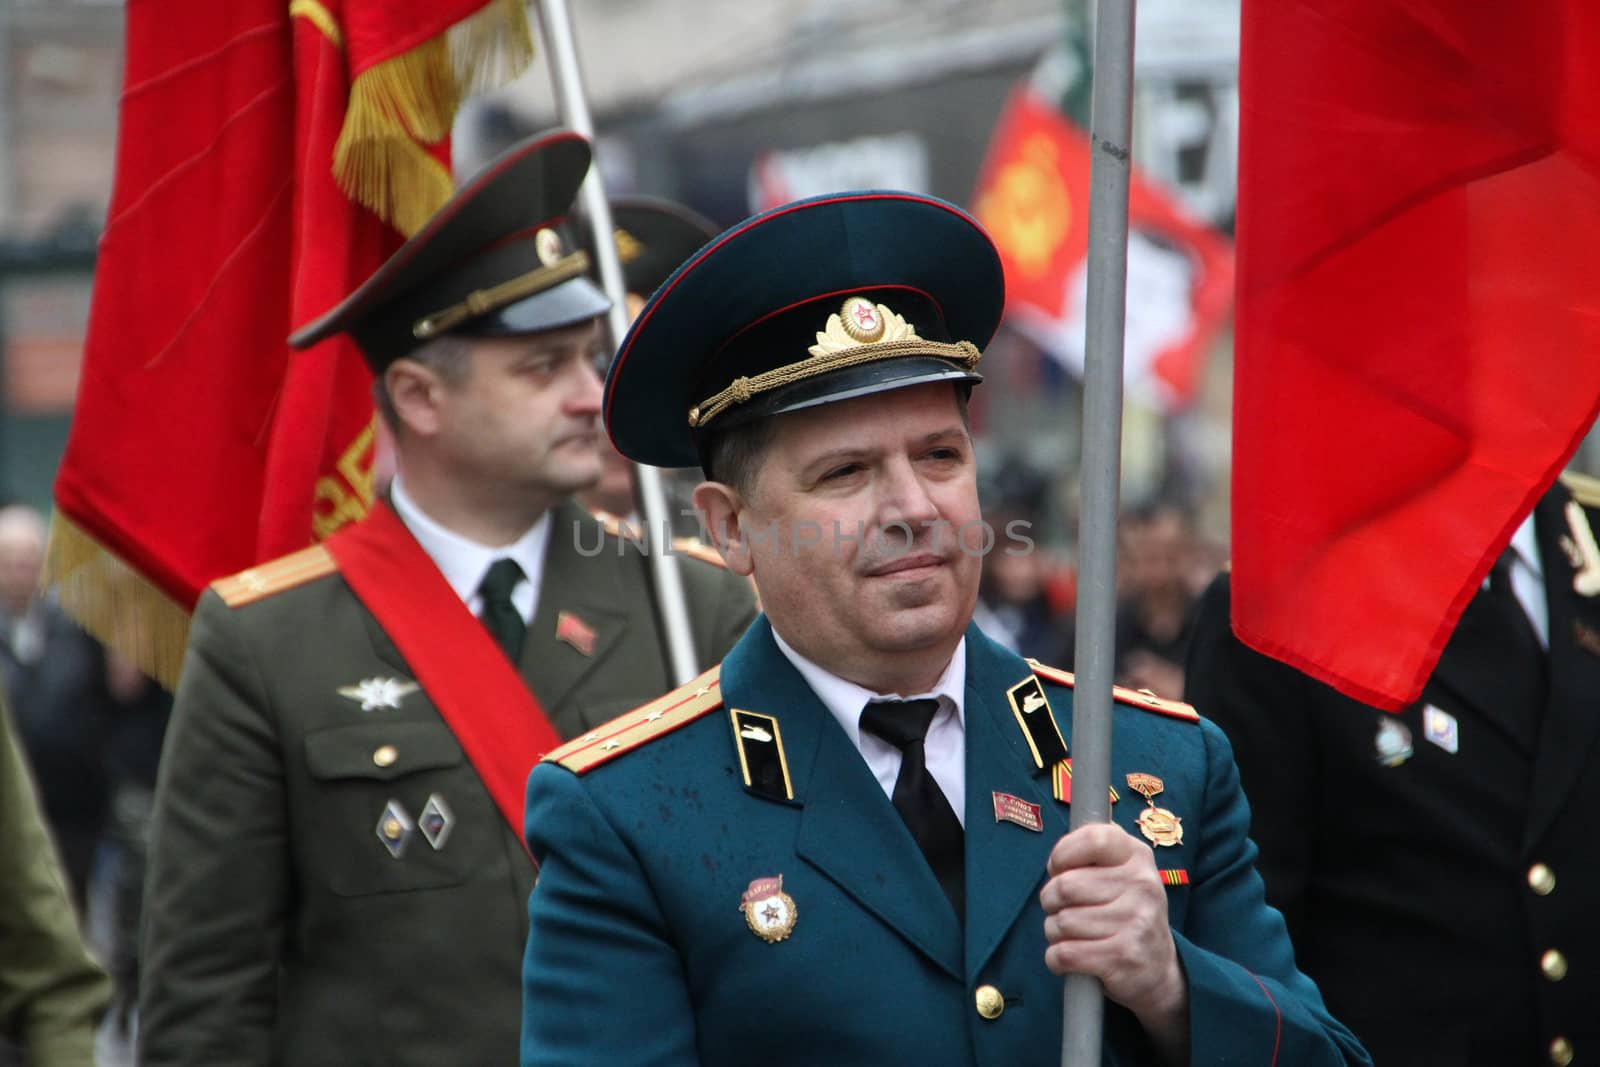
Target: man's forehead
{"type": "Point", "coordinates": [582, 336]}
{"type": "Point", "coordinates": [882, 420]}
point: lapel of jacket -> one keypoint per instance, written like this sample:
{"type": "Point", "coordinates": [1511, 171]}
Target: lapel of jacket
{"type": "Point", "coordinates": [1571, 725]}
{"type": "Point", "coordinates": [587, 590]}
{"type": "Point", "coordinates": [849, 830]}
{"type": "Point", "coordinates": [1467, 672]}
{"type": "Point", "coordinates": [1005, 861]}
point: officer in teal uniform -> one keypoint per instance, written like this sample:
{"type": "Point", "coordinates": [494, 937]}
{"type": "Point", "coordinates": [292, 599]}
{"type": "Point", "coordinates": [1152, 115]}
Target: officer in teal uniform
{"type": "Point", "coordinates": [847, 843]}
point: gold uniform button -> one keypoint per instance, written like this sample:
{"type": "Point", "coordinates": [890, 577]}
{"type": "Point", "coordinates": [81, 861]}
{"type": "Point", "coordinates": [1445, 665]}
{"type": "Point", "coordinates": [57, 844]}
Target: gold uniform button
{"type": "Point", "coordinates": [1541, 879]}
{"type": "Point", "coordinates": [1561, 1052]}
{"type": "Point", "coordinates": [1554, 965]}
{"type": "Point", "coordinates": [990, 1002]}
{"type": "Point", "coordinates": [385, 756]}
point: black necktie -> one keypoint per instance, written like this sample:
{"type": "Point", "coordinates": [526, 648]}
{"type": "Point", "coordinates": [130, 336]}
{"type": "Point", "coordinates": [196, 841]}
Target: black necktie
{"type": "Point", "coordinates": [1520, 658]}
{"type": "Point", "coordinates": [917, 797]}
{"type": "Point", "coordinates": [499, 615]}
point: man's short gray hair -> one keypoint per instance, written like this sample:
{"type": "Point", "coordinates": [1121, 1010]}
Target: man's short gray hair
{"type": "Point", "coordinates": [446, 356]}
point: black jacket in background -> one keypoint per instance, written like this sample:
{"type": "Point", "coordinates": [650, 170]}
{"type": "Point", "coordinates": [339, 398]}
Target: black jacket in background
{"type": "Point", "coordinates": [1411, 890]}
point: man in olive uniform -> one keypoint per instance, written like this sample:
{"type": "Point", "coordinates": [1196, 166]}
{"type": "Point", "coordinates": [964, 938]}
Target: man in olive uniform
{"type": "Point", "coordinates": [847, 844]}
{"type": "Point", "coordinates": [335, 877]}
{"type": "Point", "coordinates": [1433, 863]}
{"type": "Point", "coordinates": [51, 993]}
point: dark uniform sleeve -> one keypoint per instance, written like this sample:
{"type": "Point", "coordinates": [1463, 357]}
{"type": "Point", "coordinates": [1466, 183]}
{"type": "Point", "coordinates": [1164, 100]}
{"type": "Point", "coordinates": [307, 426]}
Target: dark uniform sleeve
{"type": "Point", "coordinates": [1247, 1000]}
{"type": "Point", "coordinates": [51, 993]}
{"type": "Point", "coordinates": [216, 891]}
{"type": "Point", "coordinates": [736, 610]}
{"type": "Point", "coordinates": [1264, 707]}
{"type": "Point", "coordinates": [722, 605]}
{"type": "Point", "coordinates": [602, 983]}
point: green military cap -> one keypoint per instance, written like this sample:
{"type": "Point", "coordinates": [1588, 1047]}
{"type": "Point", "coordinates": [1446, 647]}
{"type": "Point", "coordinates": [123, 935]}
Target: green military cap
{"type": "Point", "coordinates": [493, 261]}
{"type": "Point", "coordinates": [835, 297]}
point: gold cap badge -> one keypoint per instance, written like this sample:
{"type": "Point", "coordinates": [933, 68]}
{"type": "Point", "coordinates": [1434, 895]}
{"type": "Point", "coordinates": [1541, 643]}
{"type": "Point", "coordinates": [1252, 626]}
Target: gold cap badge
{"type": "Point", "coordinates": [547, 246]}
{"type": "Point", "coordinates": [862, 320]}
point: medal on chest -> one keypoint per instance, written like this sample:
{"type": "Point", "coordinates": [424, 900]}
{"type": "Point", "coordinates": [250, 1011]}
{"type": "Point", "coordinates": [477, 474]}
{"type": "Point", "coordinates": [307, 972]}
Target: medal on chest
{"type": "Point", "coordinates": [1159, 826]}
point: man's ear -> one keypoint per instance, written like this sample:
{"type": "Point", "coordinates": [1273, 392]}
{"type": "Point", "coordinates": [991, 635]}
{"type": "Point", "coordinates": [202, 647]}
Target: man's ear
{"type": "Point", "coordinates": [720, 508]}
{"type": "Point", "coordinates": [415, 390]}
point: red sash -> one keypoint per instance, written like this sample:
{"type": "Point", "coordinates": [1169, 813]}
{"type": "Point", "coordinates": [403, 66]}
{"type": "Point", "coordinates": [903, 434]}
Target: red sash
{"type": "Point", "coordinates": [477, 690]}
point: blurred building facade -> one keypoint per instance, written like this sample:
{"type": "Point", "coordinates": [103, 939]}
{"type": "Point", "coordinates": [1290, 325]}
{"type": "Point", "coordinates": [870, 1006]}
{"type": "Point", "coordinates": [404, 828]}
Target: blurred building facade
{"type": "Point", "coordinates": [60, 75]}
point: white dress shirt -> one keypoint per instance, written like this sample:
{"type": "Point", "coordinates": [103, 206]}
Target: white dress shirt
{"type": "Point", "coordinates": [945, 747]}
{"type": "Point", "coordinates": [464, 562]}
{"type": "Point", "coordinates": [1527, 579]}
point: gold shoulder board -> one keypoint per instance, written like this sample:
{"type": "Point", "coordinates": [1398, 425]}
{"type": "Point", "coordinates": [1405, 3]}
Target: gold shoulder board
{"type": "Point", "coordinates": [1134, 698]}
{"type": "Point", "coordinates": [692, 547]}
{"type": "Point", "coordinates": [655, 719]}
{"type": "Point", "coordinates": [285, 572]}
{"type": "Point", "coordinates": [695, 548]}
{"type": "Point", "coordinates": [1584, 489]}
{"type": "Point", "coordinates": [608, 522]}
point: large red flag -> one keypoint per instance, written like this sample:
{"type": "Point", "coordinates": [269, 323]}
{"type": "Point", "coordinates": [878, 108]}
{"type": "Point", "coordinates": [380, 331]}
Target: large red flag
{"type": "Point", "coordinates": [1418, 314]}
{"type": "Point", "coordinates": [271, 154]}
{"type": "Point", "coordinates": [1033, 198]}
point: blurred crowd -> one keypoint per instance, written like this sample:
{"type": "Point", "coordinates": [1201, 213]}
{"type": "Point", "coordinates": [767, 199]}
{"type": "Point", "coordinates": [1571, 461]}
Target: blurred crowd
{"type": "Point", "coordinates": [1028, 599]}
{"type": "Point", "coordinates": [90, 726]}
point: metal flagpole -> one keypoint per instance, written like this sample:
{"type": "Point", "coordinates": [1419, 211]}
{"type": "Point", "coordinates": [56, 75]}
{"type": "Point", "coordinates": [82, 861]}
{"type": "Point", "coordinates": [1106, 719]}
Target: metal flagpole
{"type": "Point", "coordinates": [1109, 136]}
{"type": "Point", "coordinates": [555, 27]}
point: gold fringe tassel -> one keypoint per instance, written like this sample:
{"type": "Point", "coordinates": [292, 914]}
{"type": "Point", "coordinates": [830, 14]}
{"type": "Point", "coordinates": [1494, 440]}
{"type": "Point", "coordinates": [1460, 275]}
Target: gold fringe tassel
{"type": "Point", "coordinates": [410, 100]}
{"type": "Point", "coordinates": [116, 604]}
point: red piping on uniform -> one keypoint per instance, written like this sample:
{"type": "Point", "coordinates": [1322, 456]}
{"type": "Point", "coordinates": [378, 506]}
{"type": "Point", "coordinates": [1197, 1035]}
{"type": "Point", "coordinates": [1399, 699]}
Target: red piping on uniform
{"type": "Point", "coordinates": [1277, 1038]}
{"type": "Point", "coordinates": [824, 296]}
{"type": "Point", "coordinates": [519, 235]}
{"type": "Point", "coordinates": [762, 220]}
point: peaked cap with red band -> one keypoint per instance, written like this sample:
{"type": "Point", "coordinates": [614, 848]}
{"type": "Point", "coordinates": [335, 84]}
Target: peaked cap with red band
{"type": "Point", "coordinates": [491, 262]}
{"type": "Point", "coordinates": [822, 300]}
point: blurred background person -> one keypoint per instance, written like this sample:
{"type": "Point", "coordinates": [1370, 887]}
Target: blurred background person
{"type": "Point", "coordinates": [136, 724]}
{"type": "Point", "coordinates": [1432, 863]}
{"type": "Point", "coordinates": [1025, 597]}
{"type": "Point", "coordinates": [1157, 549]}
{"type": "Point", "coordinates": [54, 683]}
{"type": "Point", "coordinates": [1014, 602]}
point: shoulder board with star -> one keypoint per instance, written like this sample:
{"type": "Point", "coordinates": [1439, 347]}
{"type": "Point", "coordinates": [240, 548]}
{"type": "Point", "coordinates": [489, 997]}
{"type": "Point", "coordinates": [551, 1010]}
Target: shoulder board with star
{"type": "Point", "coordinates": [641, 725]}
{"type": "Point", "coordinates": [285, 572]}
{"type": "Point", "coordinates": [1134, 698]}
{"type": "Point", "coordinates": [1584, 489]}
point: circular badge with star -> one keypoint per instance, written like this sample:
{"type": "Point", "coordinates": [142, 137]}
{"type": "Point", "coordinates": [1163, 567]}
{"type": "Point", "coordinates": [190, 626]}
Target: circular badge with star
{"type": "Point", "coordinates": [1161, 826]}
{"type": "Point", "coordinates": [862, 320]}
{"type": "Point", "coordinates": [768, 910]}
{"type": "Point", "coordinates": [547, 245]}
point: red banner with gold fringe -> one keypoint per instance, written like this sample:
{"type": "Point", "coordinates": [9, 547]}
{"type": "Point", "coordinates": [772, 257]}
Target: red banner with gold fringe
{"type": "Point", "coordinates": [270, 157]}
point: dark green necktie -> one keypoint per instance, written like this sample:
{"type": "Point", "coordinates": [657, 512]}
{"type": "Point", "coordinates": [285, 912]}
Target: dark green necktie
{"type": "Point", "coordinates": [499, 615]}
